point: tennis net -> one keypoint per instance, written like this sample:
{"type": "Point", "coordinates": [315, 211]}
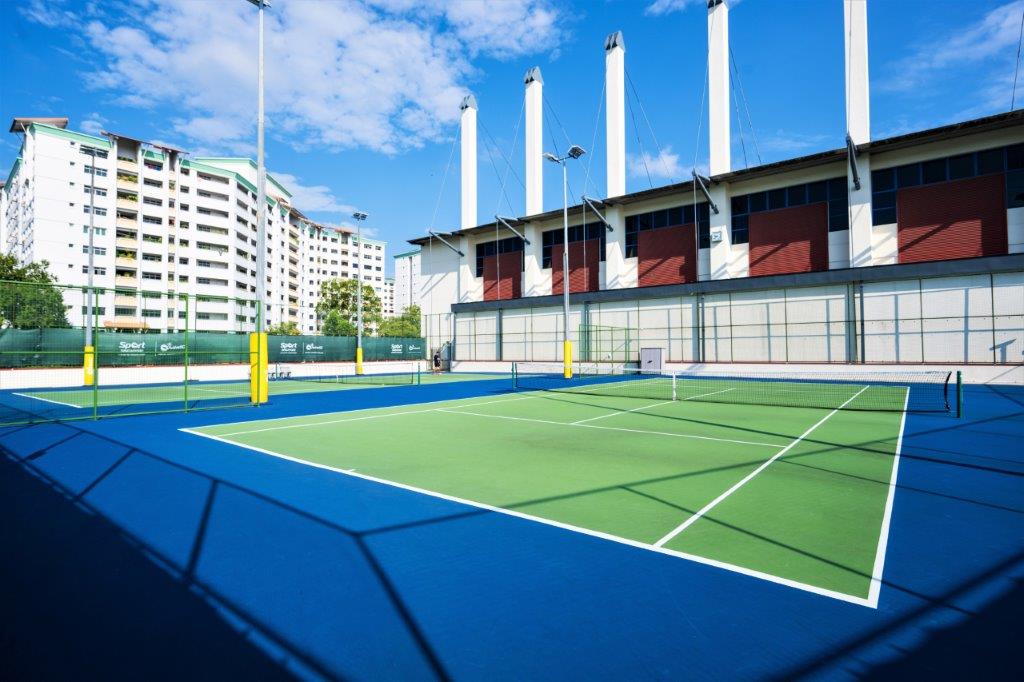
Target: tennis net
{"type": "Point", "coordinates": [344, 373]}
{"type": "Point", "coordinates": [918, 391]}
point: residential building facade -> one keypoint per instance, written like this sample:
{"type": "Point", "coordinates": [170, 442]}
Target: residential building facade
{"type": "Point", "coordinates": [164, 225]}
{"type": "Point", "coordinates": [407, 278]}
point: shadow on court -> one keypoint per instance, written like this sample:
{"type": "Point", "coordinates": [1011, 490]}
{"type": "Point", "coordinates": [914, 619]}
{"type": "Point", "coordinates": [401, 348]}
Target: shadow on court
{"type": "Point", "coordinates": [81, 601]}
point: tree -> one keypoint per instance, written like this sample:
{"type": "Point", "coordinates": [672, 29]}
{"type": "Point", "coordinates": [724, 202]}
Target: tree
{"type": "Point", "coordinates": [284, 329]}
{"type": "Point", "coordinates": [336, 325]}
{"type": "Point", "coordinates": [406, 325]}
{"type": "Point", "coordinates": [340, 295]}
{"type": "Point", "coordinates": [28, 297]}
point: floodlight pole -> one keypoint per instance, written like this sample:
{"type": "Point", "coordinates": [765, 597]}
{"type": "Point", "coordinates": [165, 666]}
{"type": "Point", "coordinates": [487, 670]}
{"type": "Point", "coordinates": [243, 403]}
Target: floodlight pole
{"type": "Point", "coordinates": [566, 343]}
{"type": "Point", "coordinates": [90, 296]}
{"type": "Point", "coordinates": [261, 185]}
{"type": "Point", "coordinates": [574, 152]}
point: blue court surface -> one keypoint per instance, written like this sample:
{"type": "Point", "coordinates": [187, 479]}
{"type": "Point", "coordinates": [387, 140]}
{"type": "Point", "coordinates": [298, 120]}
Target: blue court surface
{"type": "Point", "coordinates": [134, 548]}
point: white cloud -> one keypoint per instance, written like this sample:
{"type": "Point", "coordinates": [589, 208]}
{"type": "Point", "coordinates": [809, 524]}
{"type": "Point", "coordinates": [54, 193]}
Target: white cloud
{"type": "Point", "coordinates": [665, 165]}
{"type": "Point", "coordinates": [312, 198]}
{"type": "Point", "coordinates": [994, 36]}
{"type": "Point", "coordinates": [783, 142]}
{"type": "Point", "coordinates": [45, 13]}
{"type": "Point", "coordinates": [662, 7]}
{"type": "Point", "coordinates": [386, 75]}
{"type": "Point", "coordinates": [92, 124]}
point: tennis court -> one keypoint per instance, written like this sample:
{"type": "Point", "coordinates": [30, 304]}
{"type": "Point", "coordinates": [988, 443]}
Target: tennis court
{"type": "Point", "coordinates": [786, 480]}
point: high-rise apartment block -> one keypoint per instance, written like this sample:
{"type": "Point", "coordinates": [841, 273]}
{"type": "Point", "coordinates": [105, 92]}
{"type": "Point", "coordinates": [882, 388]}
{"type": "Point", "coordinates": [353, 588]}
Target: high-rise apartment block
{"type": "Point", "coordinates": [166, 223]}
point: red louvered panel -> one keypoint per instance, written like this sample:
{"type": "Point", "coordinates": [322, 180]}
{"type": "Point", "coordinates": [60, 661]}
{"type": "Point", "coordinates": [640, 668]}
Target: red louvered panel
{"type": "Point", "coordinates": [789, 240]}
{"type": "Point", "coordinates": [503, 276]}
{"type": "Point", "coordinates": [957, 219]}
{"type": "Point", "coordinates": [584, 265]}
{"type": "Point", "coordinates": [667, 255]}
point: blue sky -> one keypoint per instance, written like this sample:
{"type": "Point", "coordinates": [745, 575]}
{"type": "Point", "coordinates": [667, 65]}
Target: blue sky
{"type": "Point", "coordinates": [363, 96]}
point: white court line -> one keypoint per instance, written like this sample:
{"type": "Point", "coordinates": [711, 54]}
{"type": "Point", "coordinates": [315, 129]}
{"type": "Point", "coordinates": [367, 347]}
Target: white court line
{"type": "Point", "coordinates": [743, 481]}
{"type": "Point", "coordinates": [607, 428]}
{"type": "Point", "coordinates": [883, 535]}
{"type": "Point", "coordinates": [612, 414]}
{"type": "Point", "coordinates": [814, 589]}
{"type": "Point", "coordinates": [356, 419]}
{"type": "Point", "coordinates": [644, 407]}
{"type": "Point", "coordinates": [47, 400]}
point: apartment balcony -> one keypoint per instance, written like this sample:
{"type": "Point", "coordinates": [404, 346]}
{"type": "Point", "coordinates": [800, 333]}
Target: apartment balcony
{"type": "Point", "coordinates": [124, 262]}
{"type": "Point", "coordinates": [128, 165]}
{"type": "Point", "coordinates": [126, 323]}
{"type": "Point", "coordinates": [126, 281]}
{"type": "Point", "coordinates": [127, 242]}
{"type": "Point", "coordinates": [128, 203]}
{"type": "Point", "coordinates": [126, 222]}
{"type": "Point", "coordinates": [126, 300]}
{"type": "Point", "coordinates": [127, 181]}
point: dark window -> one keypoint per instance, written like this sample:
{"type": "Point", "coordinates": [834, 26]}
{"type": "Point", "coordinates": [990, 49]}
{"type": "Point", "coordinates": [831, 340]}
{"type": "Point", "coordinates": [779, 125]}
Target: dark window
{"type": "Point", "coordinates": [991, 161]}
{"type": "Point", "coordinates": [883, 180]}
{"type": "Point", "coordinates": [908, 176]}
{"type": "Point", "coordinates": [817, 192]}
{"type": "Point", "coordinates": [739, 205]}
{"type": "Point", "coordinates": [758, 202]}
{"type": "Point", "coordinates": [659, 219]}
{"type": "Point", "coordinates": [837, 189]}
{"type": "Point", "coordinates": [671, 217]}
{"type": "Point", "coordinates": [740, 229]}
{"type": "Point", "coordinates": [776, 199]}
{"type": "Point", "coordinates": [883, 216]}
{"type": "Point", "coordinates": [838, 215]}
{"type": "Point", "coordinates": [933, 171]}
{"type": "Point", "coordinates": [961, 166]}
{"type": "Point", "coordinates": [796, 195]}
{"type": "Point", "coordinates": [508, 245]}
{"type": "Point", "coordinates": [1015, 157]}
{"type": "Point", "coordinates": [1015, 189]}
{"type": "Point", "coordinates": [577, 233]}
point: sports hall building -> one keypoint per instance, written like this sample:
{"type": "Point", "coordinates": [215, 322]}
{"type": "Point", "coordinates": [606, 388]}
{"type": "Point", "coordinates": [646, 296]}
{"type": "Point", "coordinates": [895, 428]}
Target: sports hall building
{"type": "Point", "coordinates": [908, 249]}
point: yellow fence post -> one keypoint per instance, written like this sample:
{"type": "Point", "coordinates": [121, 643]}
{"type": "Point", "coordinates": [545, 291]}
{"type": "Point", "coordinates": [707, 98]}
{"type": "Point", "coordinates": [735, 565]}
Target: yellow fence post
{"type": "Point", "coordinates": [567, 359]}
{"type": "Point", "coordinates": [359, 360]}
{"type": "Point", "coordinates": [259, 383]}
{"type": "Point", "coordinates": [89, 365]}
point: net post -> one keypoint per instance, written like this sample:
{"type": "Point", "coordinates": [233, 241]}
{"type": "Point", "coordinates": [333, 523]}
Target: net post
{"type": "Point", "coordinates": [185, 390]}
{"type": "Point", "coordinates": [515, 379]}
{"type": "Point", "coordinates": [959, 395]}
{"type": "Point", "coordinates": [567, 359]}
{"type": "Point", "coordinates": [419, 374]}
{"type": "Point", "coordinates": [675, 395]}
{"type": "Point", "coordinates": [87, 365]}
{"type": "Point", "coordinates": [259, 382]}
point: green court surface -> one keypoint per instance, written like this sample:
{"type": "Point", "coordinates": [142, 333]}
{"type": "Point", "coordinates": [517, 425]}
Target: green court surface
{"type": "Point", "coordinates": [796, 495]}
{"type": "Point", "coordinates": [107, 396]}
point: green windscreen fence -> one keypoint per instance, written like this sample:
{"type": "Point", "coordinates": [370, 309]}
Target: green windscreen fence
{"type": "Point", "coordinates": [154, 351]}
{"type": "Point", "coordinates": [342, 348]}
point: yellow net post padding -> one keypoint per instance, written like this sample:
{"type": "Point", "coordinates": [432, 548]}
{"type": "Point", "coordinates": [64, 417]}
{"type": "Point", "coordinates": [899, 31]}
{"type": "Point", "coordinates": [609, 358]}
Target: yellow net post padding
{"type": "Point", "coordinates": [89, 365]}
{"type": "Point", "coordinates": [258, 377]}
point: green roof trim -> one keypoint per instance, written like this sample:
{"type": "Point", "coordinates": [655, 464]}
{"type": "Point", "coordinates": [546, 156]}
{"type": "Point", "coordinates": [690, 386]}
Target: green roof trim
{"type": "Point", "coordinates": [70, 135]}
{"type": "Point", "coordinates": [199, 166]}
{"type": "Point", "coordinates": [10, 176]}
{"type": "Point", "coordinates": [407, 254]}
{"type": "Point", "coordinates": [156, 156]}
{"type": "Point", "coordinates": [241, 161]}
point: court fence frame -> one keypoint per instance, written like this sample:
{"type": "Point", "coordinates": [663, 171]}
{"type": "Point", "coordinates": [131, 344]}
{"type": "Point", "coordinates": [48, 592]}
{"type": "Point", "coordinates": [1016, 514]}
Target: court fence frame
{"type": "Point", "coordinates": [961, 319]}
